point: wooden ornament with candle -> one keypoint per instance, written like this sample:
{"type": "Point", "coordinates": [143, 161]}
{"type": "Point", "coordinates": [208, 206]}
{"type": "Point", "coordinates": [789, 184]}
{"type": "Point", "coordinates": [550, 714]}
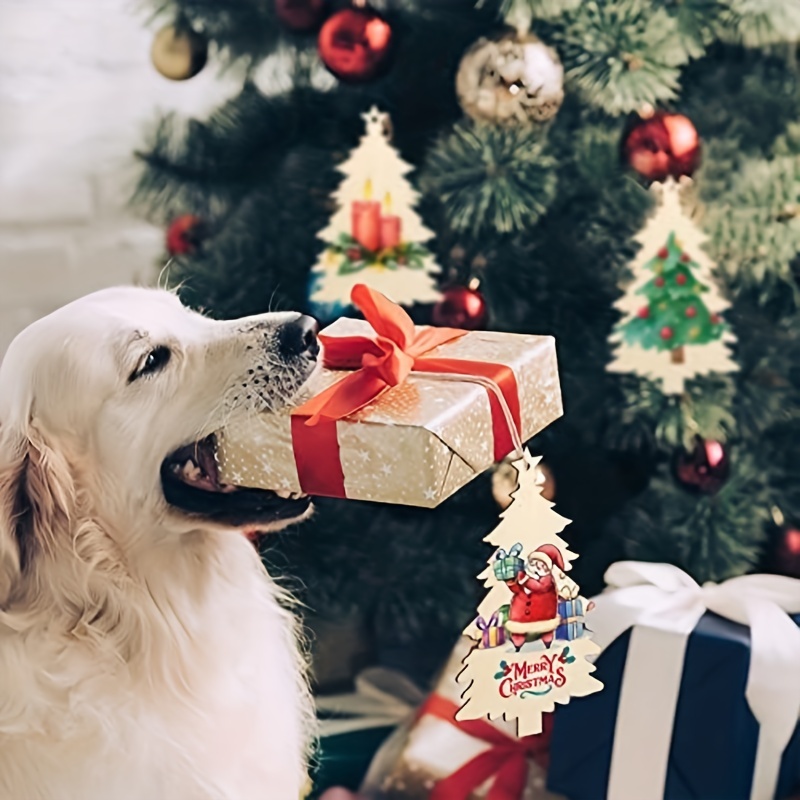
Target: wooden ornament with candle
{"type": "Point", "coordinates": [375, 236]}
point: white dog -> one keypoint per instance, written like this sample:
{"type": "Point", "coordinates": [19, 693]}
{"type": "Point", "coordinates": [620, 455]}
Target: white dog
{"type": "Point", "coordinates": [144, 651]}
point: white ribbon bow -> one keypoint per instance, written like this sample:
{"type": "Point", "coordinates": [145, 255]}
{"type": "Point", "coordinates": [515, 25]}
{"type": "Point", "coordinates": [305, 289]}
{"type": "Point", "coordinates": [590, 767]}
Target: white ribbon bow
{"type": "Point", "coordinates": [665, 605]}
{"type": "Point", "coordinates": [382, 698]}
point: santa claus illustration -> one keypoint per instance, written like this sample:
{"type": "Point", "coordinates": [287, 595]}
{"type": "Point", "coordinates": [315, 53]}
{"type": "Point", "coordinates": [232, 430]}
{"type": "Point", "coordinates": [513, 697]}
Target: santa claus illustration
{"type": "Point", "coordinates": [534, 607]}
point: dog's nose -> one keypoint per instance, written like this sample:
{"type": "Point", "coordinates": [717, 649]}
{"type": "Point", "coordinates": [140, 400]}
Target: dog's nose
{"type": "Point", "coordinates": [299, 337]}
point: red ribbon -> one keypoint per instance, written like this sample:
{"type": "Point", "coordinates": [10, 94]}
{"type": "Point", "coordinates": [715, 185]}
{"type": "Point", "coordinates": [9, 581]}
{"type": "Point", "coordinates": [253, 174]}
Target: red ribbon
{"type": "Point", "coordinates": [380, 363]}
{"type": "Point", "coordinates": [506, 760]}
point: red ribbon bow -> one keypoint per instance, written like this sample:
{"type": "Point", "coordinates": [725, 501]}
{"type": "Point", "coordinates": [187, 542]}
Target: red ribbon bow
{"type": "Point", "coordinates": [506, 760]}
{"type": "Point", "coordinates": [379, 364]}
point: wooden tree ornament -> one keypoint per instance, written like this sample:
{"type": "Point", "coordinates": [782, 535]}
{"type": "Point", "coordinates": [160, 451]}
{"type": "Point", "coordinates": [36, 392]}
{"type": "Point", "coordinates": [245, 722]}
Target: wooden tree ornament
{"type": "Point", "coordinates": [672, 326]}
{"type": "Point", "coordinates": [375, 236]}
{"type": "Point", "coordinates": [532, 643]}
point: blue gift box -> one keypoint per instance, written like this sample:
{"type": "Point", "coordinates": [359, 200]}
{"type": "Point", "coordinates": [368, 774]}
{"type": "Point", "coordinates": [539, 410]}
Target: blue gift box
{"type": "Point", "coordinates": [714, 737]}
{"type": "Point", "coordinates": [572, 621]}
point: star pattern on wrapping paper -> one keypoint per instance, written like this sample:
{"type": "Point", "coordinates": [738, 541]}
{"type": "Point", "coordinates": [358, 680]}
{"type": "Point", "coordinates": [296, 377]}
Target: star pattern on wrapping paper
{"type": "Point", "coordinates": [364, 455]}
{"type": "Point", "coordinates": [430, 494]}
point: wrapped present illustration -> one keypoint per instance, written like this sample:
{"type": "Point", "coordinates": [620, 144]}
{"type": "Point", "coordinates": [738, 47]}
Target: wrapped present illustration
{"type": "Point", "coordinates": [493, 631]}
{"type": "Point", "coordinates": [571, 624]}
{"type": "Point", "coordinates": [508, 565]}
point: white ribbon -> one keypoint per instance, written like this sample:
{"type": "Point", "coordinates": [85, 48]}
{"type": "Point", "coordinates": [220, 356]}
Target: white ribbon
{"type": "Point", "coordinates": [382, 698]}
{"type": "Point", "coordinates": [665, 604]}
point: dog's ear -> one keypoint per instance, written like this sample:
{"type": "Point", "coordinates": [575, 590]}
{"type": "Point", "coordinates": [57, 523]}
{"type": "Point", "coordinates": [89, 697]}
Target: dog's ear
{"type": "Point", "coordinates": [37, 501]}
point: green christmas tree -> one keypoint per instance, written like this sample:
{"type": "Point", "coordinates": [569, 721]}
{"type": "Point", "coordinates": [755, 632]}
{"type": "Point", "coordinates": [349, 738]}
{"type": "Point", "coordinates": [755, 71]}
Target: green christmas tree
{"type": "Point", "coordinates": [675, 315]}
{"type": "Point", "coordinates": [550, 221]}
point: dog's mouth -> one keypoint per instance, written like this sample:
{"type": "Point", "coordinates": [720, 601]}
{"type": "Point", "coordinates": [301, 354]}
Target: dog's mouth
{"type": "Point", "coordinates": [190, 482]}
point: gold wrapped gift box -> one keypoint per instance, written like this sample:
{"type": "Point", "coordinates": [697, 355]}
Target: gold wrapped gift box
{"type": "Point", "coordinates": [420, 441]}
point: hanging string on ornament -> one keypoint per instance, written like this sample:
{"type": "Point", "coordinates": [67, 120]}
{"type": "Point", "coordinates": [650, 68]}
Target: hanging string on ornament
{"type": "Point", "coordinates": [659, 145]}
{"type": "Point", "coordinates": [461, 307]}
{"type": "Point", "coordinates": [355, 43]}
{"type": "Point", "coordinates": [703, 470]}
{"type": "Point", "coordinates": [300, 16]}
{"type": "Point", "coordinates": [512, 78]}
{"type": "Point", "coordinates": [185, 235]}
{"type": "Point", "coordinates": [179, 52]}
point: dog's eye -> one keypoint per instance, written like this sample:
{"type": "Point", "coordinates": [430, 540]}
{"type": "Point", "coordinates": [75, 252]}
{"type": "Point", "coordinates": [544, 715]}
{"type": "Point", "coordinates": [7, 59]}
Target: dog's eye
{"type": "Point", "coordinates": [155, 360]}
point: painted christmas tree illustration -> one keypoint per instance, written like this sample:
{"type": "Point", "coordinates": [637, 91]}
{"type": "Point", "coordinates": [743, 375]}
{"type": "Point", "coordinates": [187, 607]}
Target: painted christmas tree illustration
{"type": "Point", "coordinates": [675, 315]}
{"type": "Point", "coordinates": [532, 643]}
{"type": "Point", "coordinates": [672, 326]}
{"type": "Point", "coordinates": [375, 236]}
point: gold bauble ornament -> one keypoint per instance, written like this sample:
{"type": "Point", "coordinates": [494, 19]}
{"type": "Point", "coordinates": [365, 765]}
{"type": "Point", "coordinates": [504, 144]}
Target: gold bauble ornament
{"type": "Point", "coordinates": [505, 479]}
{"type": "Point", "coordinates": [511, 78]}
{"type": "Point", "coordinates": [179, 52]}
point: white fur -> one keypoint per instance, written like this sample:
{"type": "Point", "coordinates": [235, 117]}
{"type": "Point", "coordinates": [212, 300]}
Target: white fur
{"type": "Point", "coordinates": [143, 655]}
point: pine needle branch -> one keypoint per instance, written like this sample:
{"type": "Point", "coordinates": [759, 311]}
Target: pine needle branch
{"type": "Point", "coordinates": [488, 177]}
{"type": "Point", "coordinates": [621, 54]}
{"type": "Point", "coordinates": [755, 232]}
{"type": "Point", "coordinates": [711, 537]}
{"type": "Point", "coordinates": [758, 23]}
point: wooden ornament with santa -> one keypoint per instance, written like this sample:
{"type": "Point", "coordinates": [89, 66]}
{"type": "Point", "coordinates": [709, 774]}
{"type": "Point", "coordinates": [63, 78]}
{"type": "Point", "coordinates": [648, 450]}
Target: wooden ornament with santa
{"type": "Point", "coordinates": [541, 657]}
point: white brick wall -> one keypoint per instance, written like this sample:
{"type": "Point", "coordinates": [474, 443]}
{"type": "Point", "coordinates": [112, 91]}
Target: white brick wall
{"type": "Point", "coordinates": [76, 93]}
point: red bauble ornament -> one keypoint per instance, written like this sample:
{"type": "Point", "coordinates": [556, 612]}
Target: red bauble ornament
{"type": "Point", "coordinates": [715, 319]}
{"type": "Point", "coordinates": [661, 146]}
{"type": "Point", "coordinates": [643, 312]}
{"type": "Point", "coordinates": [659, 281]}
{"type": "Point", "coordinates": [461, 307]}
{"type": "Point", "coordinates": [185, 234]}
{"type": "Point", "coordinates": [691, 312]}
{"type": "Point", "coordinates": [667, 332]}
{"type": "Point", "coordinates": [792, 539]}
{"type": "Point", "coordinates": [680, 279]}
{"type": "Point", "coordinates": [784, 555]}
{"type": "Point", "coordinates": [685, 258]}
{"type": "Point", "coordinates": [354, 44]}
{"type": "Point", "coordinates": [300, 15]}
{"type": "Point", "coordinates": [663, 253]}
{"type": "Point", "coordinates": [705, 469]}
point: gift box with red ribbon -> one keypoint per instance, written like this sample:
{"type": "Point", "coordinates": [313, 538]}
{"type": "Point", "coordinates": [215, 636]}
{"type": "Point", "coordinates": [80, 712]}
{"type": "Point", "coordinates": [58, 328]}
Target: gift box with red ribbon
{"type": "Point", "coordinates": [399, 414]}
{"type": "Point", "coordinates": [436, 757]}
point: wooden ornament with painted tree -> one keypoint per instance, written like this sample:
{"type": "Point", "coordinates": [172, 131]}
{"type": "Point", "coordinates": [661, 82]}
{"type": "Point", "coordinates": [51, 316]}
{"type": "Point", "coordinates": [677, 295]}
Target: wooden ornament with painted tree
{"type": "Point", "coordinates": [672, 326]}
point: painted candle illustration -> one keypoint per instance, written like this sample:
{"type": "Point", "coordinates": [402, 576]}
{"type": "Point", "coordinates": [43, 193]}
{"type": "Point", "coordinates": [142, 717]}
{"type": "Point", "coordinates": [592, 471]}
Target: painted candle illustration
{"type": "Point", "coordinates": [375, 236]}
